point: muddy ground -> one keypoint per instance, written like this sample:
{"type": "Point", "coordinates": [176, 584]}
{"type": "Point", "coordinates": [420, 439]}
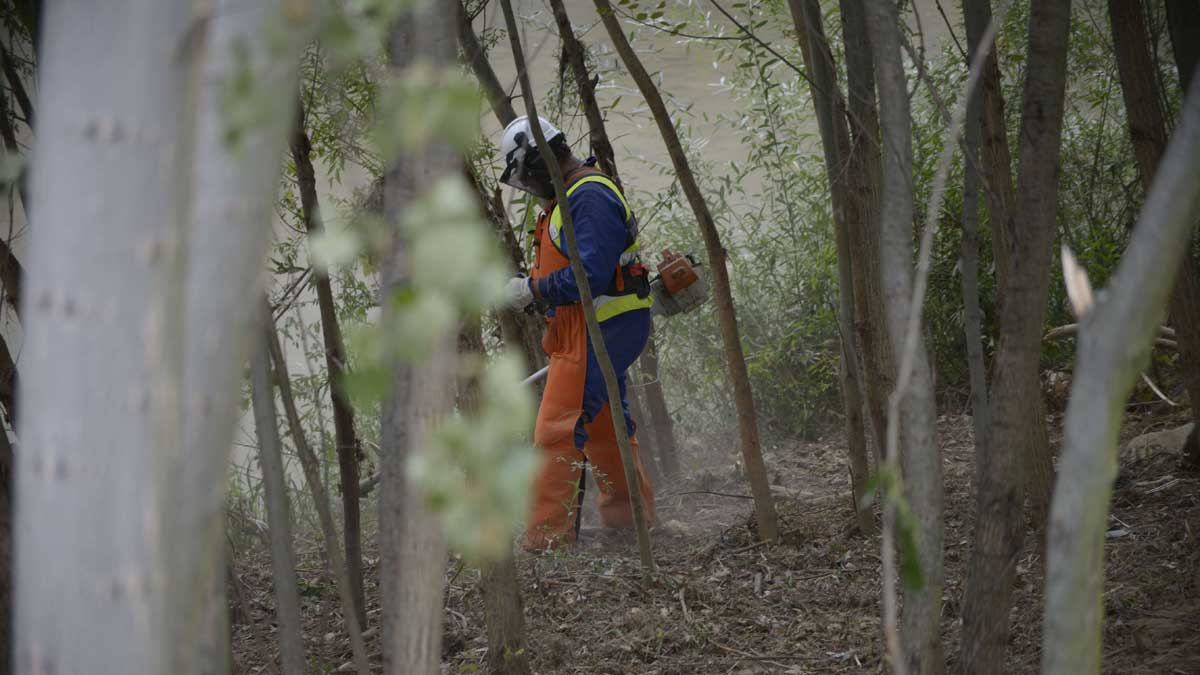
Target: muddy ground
{"type": "Point", "coordinates": [722, 603]}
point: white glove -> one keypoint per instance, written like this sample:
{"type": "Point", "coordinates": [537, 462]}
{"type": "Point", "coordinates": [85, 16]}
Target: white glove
{"type": "Point", "coordinates": [519, 293]}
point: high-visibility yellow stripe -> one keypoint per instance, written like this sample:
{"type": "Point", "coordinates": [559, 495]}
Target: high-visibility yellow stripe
{"type": "Point", "coordinates": [556, 217]}
{"type": "Point", "coordinates": [608, 306]}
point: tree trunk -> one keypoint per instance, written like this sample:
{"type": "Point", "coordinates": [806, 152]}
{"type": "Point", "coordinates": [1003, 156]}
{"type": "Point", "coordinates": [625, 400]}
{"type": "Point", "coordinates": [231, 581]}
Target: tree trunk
{"type": "Point", "coordinates": [919, 458]}
{"type": "Point", "coordinates": [476, 58]}
{"type": "Point", "coordinates": [91, 481]}
{"type": "Point", "coordinates": [503, 610]}
{"type": "Point", "coordinates": [656, 404]}
{"type": "Point", "coordinates": [1037, 464]}
{"type": "Point", "coordinates": [1016, 390]}
{"type": "Point", "coordinates": [1183, 22]}
{"type": "Point", "coordinates": [1148, 132]}
{"type": "Point", "coordinates": [649, 448]}
{"type": "Point", "coordinates": [6, 553]}
{"type": "Point", "coordinates": [596, 337]}
{"type": "Point", "coordinates": [141, 517]}
{"type": "Point", "coordinates": [504, 614]}
{"type": "Point", "coordinates": [835, 139]}
{"type": "Point", "coordinates": [862, 220]}
{"type": "Point", "coordinates": [969, 264]}
{"type": "Point", "coordinates": [663, 437]}
{"type": "Point", "coordinates": [764, 506]}
{"type": "Point", "coordinates": [1114, 346]}
{"type": "Point", "coordinates": [412, 547]}
{"type": "Point", "coordinates": [234, 184]}
{"type": "Point", "coordinates": [312, 476]}
{"type": "Point", "coordinates": [521, 331]}
{"type": "Point", "coordinates": [283, 561]}
{"type": "Point", "coordinates": [349, 449]}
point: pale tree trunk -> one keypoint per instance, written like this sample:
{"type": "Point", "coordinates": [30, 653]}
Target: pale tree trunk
{"type": "Point", "coordinates": [1148, 133]}
{"type": "Point", "coordinates": [312, 477]}
{"type": "Point", "coordinates": [835, 139]}
{"type": "Point", "coordinates": [503, 610]}
{"type": "Point", "coordinates": [862, 220]}
{"type": "Point", "coordinates": [412, 547]}
{"type": "Point", "coordinates": [349, 449]}
{"type": "Point", "coordinates": [586, 303]}
{"type": "Point", "coordinates": [121, 482]}
{"type": "Point", "coordinates": [231, 210]}
{"type": "Point", "coordinates": [1114, 344]}
{"type": "Point", "coordinates": [1036, 462]}
{"type": "Point", "coordinates": [999, 527]}
{"type": "Point", "coordinates": [919, 459]}
{"type": "Point", "coordinates": [756, 471]}
{"type": "Point", "coordinates": [283, 560]}
{"type": "Point", "coordinates": [663, 437]}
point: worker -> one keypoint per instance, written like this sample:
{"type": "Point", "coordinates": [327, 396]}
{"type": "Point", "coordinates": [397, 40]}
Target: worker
{"type": "Point", "coordinates": [574, 423]}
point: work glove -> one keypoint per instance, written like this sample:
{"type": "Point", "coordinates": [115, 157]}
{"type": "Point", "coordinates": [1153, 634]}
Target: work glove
{"type": "Point", "coordinates": [519, 293]}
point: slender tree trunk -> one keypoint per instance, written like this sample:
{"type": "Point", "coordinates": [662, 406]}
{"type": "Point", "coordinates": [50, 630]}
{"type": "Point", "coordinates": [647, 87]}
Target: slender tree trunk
{"type": "Point", "coordinates": [656, 404]}
{"type": "Point", "coordinates": [969, 264]}
{"type": "Point", "coordinates": [6, 553]}
{"type": "Point", "coordinates": [663, 437]}
{"type": "Point", "coordinates": [586, 86]}
{"type": "Point", "coordinates": [477, 59]}
{"type": "Point", "coordinates": [1183, 22]}
{"type": "Point", "coordinates": [1114, 343]}
{"type": "Point", "coordinates": [1036, 462]}
{"type": "Point", "coordinates": [503, 610]}
{"type": "Point", "coordinates": [756, 471]}
{"type": "Point", "coordinates": [234, 187]}
{"type": "Point", "coordinates": [521, 331]}
{"type": "Point", "coordinates": [862, 220]}
{"type": "Point", "coordinates": [919, 458]}
{"type": "Point", "coordinates": [999, 528]}
{"type": "Point", "coordinates": [349, 449]}
{"type": "Point", "coordinates": [504, 614]}
{"type": "Point", "coordinates": [312, 476]}
{"type": "Point", "coordinates": [1148, 132]}
{"type": "Point", "coordinates": [412, 548]}
{"type": "Point", "coordinates": [283, 560]}
{"type": "Point", "coordinates": [585, 299]}
{"type": "Point", "coordinates": [649, 448]}
{"type": "Point", "coordinates": [835, 139]}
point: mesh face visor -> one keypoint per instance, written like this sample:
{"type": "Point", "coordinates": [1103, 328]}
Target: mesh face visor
{"type": "Point", "coordinates": [525, 170]}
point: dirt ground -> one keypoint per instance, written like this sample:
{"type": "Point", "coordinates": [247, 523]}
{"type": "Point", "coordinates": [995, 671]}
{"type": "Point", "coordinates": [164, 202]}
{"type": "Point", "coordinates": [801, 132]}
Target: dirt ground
{"type": "Point", "coordinates": [721, 603]}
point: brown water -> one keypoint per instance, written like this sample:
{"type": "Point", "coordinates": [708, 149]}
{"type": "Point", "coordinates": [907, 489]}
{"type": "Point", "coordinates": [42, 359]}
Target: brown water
{"type": "Point", "coordinates": [687, 71]}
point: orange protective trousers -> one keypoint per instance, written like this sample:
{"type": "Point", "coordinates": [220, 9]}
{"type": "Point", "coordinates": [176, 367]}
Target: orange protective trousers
{"type": "Point", "coordinates": [554, 518]}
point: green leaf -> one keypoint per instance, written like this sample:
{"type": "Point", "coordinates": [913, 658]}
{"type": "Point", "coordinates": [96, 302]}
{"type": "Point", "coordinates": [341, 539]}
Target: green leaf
{"type": "Point", "coordinates": [910, 561]}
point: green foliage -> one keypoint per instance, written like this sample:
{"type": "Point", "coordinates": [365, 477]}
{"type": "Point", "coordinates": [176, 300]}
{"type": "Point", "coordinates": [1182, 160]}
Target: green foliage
{"type": "Point", "coordinates": [891, 485]}
{"type": "Point", "coordinates": [478, 471]}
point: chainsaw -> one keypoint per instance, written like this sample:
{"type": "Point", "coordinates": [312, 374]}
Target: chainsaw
{"type": "Point", "coordinates": [679, 287]}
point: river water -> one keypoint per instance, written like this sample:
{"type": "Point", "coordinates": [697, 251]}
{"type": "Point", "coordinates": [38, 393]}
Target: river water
{"type": "Point", "coordinates": [689, 72]}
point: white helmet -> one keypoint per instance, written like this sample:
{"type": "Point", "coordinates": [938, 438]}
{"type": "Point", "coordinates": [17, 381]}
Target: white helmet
{"type": "Point", "coordinates": [522, 159]}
